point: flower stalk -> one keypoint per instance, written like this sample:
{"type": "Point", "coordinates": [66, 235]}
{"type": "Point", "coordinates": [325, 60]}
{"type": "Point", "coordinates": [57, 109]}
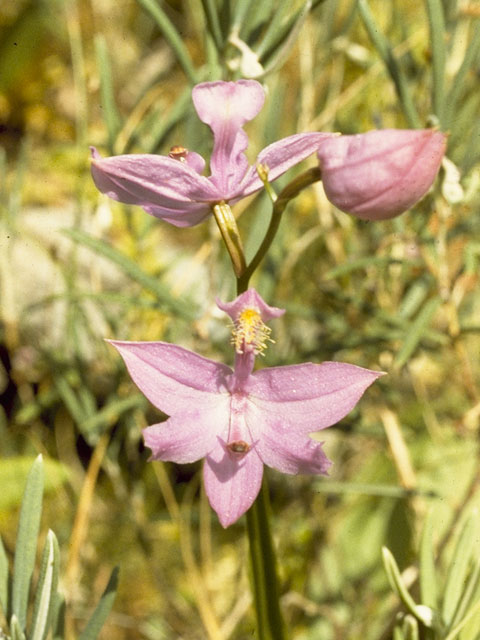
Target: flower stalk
{"type": "Point", "coordinates": [270, 625]}
{"type": "Point", "coordinates": [228, 228]}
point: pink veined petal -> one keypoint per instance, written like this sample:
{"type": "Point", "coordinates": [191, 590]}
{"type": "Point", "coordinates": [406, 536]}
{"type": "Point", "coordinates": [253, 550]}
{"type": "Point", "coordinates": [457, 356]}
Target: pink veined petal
{"type": "Point", "coordinates": [191, 215]}
{"type": "Point", "coordinates": [309, 397]}
{"type": "Point", "coordinates": [282, 447]}
{"type": "Point", "coordinates": [151, 180]}
{"type": "Point", "coordinates": [232, 482]}
{"type": "Point", "coordinates": [380, 174]}
{"type": "Point", "coordinates": [187, 436]}
{"type": "Point", "coordinates": [281, 156]}
{"type": "Point", "coordinates": [175, 379]}
{"type": "Point", "coordinates": [226, 107]}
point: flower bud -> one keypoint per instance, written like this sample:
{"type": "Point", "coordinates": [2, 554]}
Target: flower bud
{"type": "Point", "coordinates": [380, 174]}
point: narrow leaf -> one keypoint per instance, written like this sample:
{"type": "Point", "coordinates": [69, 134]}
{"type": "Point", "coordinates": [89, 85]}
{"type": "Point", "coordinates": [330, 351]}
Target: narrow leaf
{"type": "Point", "coordinates": [16, 632]}
{"type": "Point", "coordinates": [4, 580]}
{"type": "Point", "coordinates": [131, 268]}
{"type": "Point", "coordinates": [458, 568]}
{"type": "Point", "coordinates": [436, 22]}
{"type": "Point", "coordinates": [385, 51]}
{"type": "Point", "coordinates": [26, 545]}
{"type": "Point", "coordinates": [102, 610]}
{"type": "Point", "coordinates": [416, 332]}
{"type": "Point", "coordinates": [172, 36]}
{"type": "Point", "coordinates": [46, 589]}
{"type": "Point", "coordinates": [109, 107]}
{"type": "Point", "coordinates": [428, 580]}
{"type": "Point", "coordinates": [471, 54]}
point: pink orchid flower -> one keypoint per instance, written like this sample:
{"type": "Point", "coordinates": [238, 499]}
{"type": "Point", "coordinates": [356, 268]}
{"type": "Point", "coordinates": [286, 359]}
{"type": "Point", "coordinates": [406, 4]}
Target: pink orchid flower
{"type": "Point", "coordinates": [240, 420]}
{"type": "Point", "coordinates": [173, 188]}
{"type": "Point", "coordinates": [380, 174]}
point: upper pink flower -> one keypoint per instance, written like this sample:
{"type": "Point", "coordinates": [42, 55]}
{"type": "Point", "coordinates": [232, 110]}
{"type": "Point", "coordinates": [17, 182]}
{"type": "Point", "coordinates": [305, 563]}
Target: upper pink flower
{"type": "Point", "coordinates": [380, 174]}
{"type": "Point", "coordinates": [240, 420]}
{"type": "Point", "coordinates": [172, 187]}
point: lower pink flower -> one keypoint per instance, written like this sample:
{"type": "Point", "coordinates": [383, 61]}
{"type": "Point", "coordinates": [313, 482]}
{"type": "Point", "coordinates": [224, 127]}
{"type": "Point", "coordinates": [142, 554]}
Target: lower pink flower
{"type": "Point", "coordinates": [240, 420]}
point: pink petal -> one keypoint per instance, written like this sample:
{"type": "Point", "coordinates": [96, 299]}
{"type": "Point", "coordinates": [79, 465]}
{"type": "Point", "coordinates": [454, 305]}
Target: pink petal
{"type": "Point", "coordinates": [191, 215]}
{"type": "Point", "coordinates": [280, 446]}
{"type": "Point", "coordinates": [309, 397]}
{"type": "Point", "coordinates": [188, 436]}
{"type": "Point", "coordinates": [232, 482]}
{"type": "Point", "coordinates": [148, 180]}
{"type": "Point", "coordinates": [281, 156]}
{"type": "Point", "coordinates": [379, 174]}
{"type": "Point", "coordinates": [250, 299]}
{"type": "Point", "coordinates": [226, 107]}
{"type": "Point", "coordinates": [175, 379]}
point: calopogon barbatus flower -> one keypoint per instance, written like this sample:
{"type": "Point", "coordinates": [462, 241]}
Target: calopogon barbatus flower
{"type": "Point", "coordinates": [240, 419]}
{"type": "Point", "coordinates": [380, 174]}
{"type": "Point", "coordinates": [173, 188]}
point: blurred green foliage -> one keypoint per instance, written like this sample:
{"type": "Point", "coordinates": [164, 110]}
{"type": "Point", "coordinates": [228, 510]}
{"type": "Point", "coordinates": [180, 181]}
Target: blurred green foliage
{"type": "Point", "coordinates": [401, 295]}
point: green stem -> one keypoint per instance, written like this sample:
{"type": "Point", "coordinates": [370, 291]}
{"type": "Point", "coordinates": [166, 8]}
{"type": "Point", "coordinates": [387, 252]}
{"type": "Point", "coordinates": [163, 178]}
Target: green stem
{"type": "Point", "coordinates": [291, 191]}
{"type": "Point", "coordinates": [270, 625]}
{"type": "Point", "coordinates": [231, 236]}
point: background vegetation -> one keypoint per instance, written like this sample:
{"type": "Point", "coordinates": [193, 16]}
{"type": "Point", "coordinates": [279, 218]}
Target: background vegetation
{"type": "Point", "coordinates": [401, 295]}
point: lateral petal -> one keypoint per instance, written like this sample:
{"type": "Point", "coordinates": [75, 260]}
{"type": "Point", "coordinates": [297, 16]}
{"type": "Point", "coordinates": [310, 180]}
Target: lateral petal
{"type": "Point", "coordinates": [188, 436]}
{"type": "Point", "coordinates": [146, 180]}
{"type": "Point", "coordinates": [232, 482]}
{"type": "Point", "coordinates": [226, 107]}
{"type": "Point", "coordinates": [281, 156]}
{"type": "Point", "coordinates": [280, 446]}
{"type": "Point", "coordinates": [173, 378]}
{"type": "Point", "coordinates": [309, 396]}
{"type": "Point", "coordinates": [189, 216]}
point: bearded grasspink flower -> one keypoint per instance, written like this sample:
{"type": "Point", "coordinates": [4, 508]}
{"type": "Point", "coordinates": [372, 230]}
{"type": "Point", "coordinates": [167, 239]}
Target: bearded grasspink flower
{"type": "Point", "coordinates": [172, 187]}
{"type": "Point", "coordinates": [380, 174]}
{"type": "Point", "coordinates": [240, 420]}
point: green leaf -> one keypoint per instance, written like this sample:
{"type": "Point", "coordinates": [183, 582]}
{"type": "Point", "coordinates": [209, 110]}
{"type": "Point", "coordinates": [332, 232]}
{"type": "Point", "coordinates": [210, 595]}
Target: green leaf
{"type": "Point", "coordinates": [58, 617]}
{"type": "Point", "coordinates": [458, 568]}
{"type": "Point", "coordinates": [112, 411]}
{"type": "Point", "coordinates": [422, 613]}
{"type": "Point", "coordinates": [26, 545]}
{"type": "Point", "coordinates": [131, 269]}
{"type": "Point", "coordinates": [438, 34]}
{"type": "Point", "coordinates": [417, 330]}
{"type": "Point", "coordinates": [16, 632]}
{"type": "Point", "coordinates": [109, 107]}
{"type": "Point", "coordinates": [453, 95]}
{"type": "Point", "coordinates": [4, 580]}
{"type": "Point", "coordinates": [428, 579]}
{"type": "Point", "coordinates": [385, 51]}
{"type": "Point", "coordinates": [102, 610]}
{"type": "Point", "coordinates": [13, 475]}
{"type": "Point", "coordinates": [172, 36]}
{"type": "Point", "coordinates": [46, 589]}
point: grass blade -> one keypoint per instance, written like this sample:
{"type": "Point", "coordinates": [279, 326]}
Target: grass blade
{"type": "Point", "coordinates": [46, 589]}
{"type": "Point", "coordinates": [26, 547]}
{"type": "Point", "coordinates": [4, 581]}
{"type": "Point", "coordinates": [458, 569]}
{"type": "Point", "coordinates": [172, 37]}
{"type": "Point", "coordinates": [436, 21]}
{"type": "Point", "coordinates": [131, 269]}
{"type": "Point", "coordinates": [110, 112]}
{"type": "Point", "coordinates": [416, 332]}
{"type": "Point", "coordinates": [102, 610]}
{"type": "Point", "coordinates": [385, 51]}
{"type": "Point", "coordinates": [428, 578]}
{"type": "Point", "coordinates": [471, 55]}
